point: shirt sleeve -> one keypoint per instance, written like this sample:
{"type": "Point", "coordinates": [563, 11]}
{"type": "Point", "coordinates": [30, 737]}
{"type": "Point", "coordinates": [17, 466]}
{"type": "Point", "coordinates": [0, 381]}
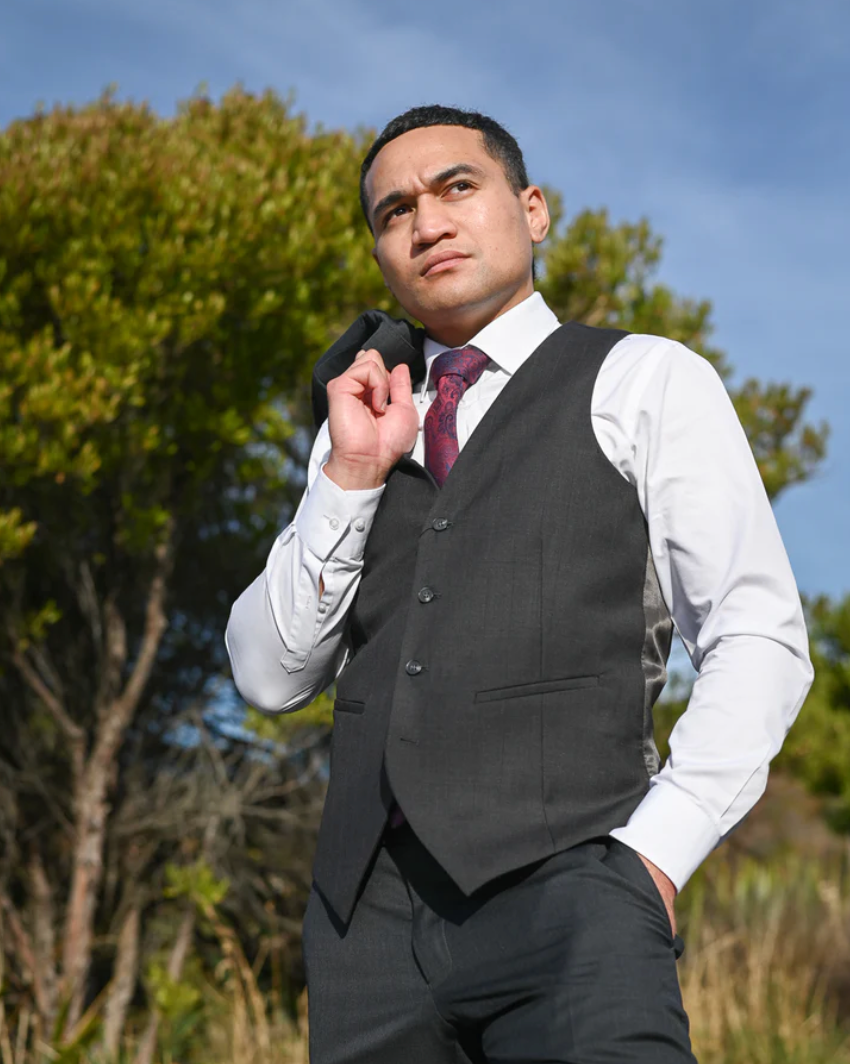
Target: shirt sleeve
{"type": "Point", "coordinates": [728, 584]}
{"type": "Point", "coordinates": [285, 642]}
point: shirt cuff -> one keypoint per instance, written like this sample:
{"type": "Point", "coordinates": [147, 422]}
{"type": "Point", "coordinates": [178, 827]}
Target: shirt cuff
{"type": "Point", "coordinates": [336, 522]}
{"type": "Point", "coordinates": [670, 829]}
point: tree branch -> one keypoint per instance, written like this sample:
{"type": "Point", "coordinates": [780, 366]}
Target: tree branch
{"type": "Point", "coordinates": [91, 798]}
{"type": "Point", "coordinates": [87, 599]}
{"type": "Point", "coordinates": [47, 670]}
{"type": "Point", "coordinates": [29, 780]}
{"type": "Point", "coordinates": [52, 702]}
{"type": "Point", "coordinates": [113, 657]}
{"type": "Point", "coordinates": [26, 953]}
{"type": "Point", "coordinates": [123, 985]}
{"type": "Point", "coordinates": [44, 940]}
{"type": "Point", "coordinates": [122, 709]}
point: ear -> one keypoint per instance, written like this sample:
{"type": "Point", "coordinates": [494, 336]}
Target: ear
{"type": "Point", "coordinates": [378, 261]}
{"type": "Point", "coordinates": [536, 213]}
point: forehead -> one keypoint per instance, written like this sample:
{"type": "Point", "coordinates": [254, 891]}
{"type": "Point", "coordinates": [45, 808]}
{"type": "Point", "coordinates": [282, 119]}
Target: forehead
{"type": "Point", "coordinates": [415, 156]}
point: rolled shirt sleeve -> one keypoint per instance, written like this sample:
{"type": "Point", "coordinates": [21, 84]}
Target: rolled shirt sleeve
{"type": "Point", "coordinates": [728, 583]}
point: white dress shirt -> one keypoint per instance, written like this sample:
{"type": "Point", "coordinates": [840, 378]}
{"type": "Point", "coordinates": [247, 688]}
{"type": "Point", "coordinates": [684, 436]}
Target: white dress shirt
{"type": "Point", "coordinates": [664, 420]}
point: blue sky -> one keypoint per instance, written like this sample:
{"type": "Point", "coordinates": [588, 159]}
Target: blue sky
{"type": "Point", "coordinates": [725, 123]}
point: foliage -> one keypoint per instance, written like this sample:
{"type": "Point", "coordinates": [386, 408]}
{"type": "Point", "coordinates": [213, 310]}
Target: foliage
{"type": "Point", "coordinates": [787, 451]}
{"type": "Point", "coordinates": [817, 749]}
{"type": "Point", "coordinates": [165, 287]}
{"type": "Point", "coordinates": [197, 882]}
{"type": "Point", "coordinates": [764, 971]}
{"type": "Point", "coordinates": [178, 1001]}
{"type": "Point", "coordinates": [602, 274]}
{"type": "Point", "coordinates": [318, 715]}
{"type": "Point", "coordinates": [764, 977]}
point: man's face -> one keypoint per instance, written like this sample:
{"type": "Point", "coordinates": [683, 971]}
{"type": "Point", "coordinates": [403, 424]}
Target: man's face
{"type": "Point", "coordinates": [452, 239]}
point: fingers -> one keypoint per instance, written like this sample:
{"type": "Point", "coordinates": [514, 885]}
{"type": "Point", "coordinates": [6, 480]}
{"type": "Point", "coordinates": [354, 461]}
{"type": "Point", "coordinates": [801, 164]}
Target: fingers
{"type": "Point", "coordinates": [366, 378]}
{"type": "Point", "coordinates": [372, 354]}
{"type": "Point", "coordinates": [378, 378]}
{"type": "Point", "coordinates": [401, 389]}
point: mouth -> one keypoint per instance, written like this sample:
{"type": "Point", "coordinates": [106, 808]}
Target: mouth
{"type": "Point", "coordinates": [442, 261]}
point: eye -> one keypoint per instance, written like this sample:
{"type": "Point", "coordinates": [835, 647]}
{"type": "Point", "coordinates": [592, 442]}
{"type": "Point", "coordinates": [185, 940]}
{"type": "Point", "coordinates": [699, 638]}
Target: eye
{"type": "Point", "coordinates": [396, 212]}
{"type": "Point", "coordinates": [460, 186]}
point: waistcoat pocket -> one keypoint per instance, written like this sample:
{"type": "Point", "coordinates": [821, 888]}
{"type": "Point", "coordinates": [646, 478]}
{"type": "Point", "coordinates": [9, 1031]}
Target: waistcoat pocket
{"type": "Point", "coordinates": [539, 687]}
{"type": "Point", "coordinates": [347, 705]}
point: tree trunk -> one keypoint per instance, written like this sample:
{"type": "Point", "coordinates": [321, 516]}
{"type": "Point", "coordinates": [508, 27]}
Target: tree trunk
{"type": "Point", "coordinates": [44, 939]}
{"type": "Point", "coordinates": [92, 811]}
{"type": "Point", "coordinates": [123, 985]}
{"type": "Point", "coordinates": [93, 785]}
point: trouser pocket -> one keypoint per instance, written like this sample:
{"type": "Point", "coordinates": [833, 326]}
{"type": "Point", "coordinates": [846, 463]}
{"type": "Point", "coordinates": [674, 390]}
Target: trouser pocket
{"type": "Point", "coordinates": [627, 863]}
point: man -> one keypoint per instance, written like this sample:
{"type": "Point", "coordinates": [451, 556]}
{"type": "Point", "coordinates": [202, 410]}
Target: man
{"type": "Point", "coordinates": [502, 523]}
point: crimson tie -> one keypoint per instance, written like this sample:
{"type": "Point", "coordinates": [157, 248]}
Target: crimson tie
{"type": "Point", "coordinates": [453, 371]}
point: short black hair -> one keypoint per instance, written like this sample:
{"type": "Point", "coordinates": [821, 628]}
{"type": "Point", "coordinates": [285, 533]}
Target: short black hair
{"type": "Point", "coordinates": [498, 143]}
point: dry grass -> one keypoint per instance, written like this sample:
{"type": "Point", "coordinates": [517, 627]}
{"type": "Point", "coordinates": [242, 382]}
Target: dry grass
{"type": "Point", "coordinates": [767, 968]}
{"type": "Point", "coordinates": [766, 978]}
{"type": "Point", "coordinates": [766, 973]}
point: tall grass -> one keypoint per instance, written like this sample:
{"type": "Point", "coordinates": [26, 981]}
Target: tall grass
{"type": "Point", "coordinates": [765, 977]}
{"type": "Point", "coordinates": [766, 973]}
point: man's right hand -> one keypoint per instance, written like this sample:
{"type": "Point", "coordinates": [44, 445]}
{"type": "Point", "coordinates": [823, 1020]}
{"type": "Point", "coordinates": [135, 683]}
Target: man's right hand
{"type": "Point", "coordinates": [372, 422]}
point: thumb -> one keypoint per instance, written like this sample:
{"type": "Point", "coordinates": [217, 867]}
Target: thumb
{"type": "Point", "coordinates": [401, 389]}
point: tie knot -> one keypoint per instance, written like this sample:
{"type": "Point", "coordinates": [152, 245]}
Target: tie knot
{"type": "Point", "coordinates": [467, 362]}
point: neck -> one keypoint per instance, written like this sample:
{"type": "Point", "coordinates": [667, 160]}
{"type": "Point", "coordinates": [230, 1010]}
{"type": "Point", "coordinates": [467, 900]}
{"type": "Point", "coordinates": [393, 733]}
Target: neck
{"type": "Point", "coordinates": [457, 327]}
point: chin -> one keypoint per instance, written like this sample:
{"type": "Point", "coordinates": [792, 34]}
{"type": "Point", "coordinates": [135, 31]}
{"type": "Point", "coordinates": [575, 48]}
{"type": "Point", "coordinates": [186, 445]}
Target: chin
{"type": "Point", "coordinates": [451, 298]}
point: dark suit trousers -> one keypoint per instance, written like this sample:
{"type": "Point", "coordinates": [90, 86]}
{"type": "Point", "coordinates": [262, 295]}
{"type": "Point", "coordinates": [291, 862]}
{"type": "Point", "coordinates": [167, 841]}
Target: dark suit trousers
{"type": "Point", "coordinates": [568, 960]}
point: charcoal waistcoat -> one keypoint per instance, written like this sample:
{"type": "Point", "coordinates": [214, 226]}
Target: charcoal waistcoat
{"type": "Point", "coordinates": [508, 641]}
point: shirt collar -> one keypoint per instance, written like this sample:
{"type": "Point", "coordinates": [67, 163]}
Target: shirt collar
{"type": "Point", "coordinates": [508, 340]}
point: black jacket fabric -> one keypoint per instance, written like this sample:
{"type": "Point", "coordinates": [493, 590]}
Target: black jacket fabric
{"type": "Point", "coordinates": [397, 341]}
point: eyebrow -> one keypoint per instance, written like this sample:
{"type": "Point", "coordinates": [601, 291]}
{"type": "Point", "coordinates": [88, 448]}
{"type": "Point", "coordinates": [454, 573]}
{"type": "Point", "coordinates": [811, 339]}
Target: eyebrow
{"type": "Point", "coordinates": [397, 195]}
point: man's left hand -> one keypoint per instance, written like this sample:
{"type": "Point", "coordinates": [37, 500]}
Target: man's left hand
{"type": "Point", "coordinates": [666, 888]}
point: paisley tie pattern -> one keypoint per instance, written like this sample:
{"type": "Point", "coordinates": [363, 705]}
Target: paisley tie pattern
{"type": "Point", "coordinates": [453, 371]}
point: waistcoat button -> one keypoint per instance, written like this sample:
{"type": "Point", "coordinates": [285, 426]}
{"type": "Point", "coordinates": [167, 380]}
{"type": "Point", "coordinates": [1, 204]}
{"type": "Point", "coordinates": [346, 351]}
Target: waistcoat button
{"type": "Point", "coordinates": [426, 594]}
{"type": "Point", "coordinates": [440, 524]}
{"type": "Point", "coordinates": [413, 667]}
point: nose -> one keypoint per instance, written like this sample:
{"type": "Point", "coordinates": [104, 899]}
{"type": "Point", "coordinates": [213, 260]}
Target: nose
{"type": "Point", "coordinates": [433, 221]}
